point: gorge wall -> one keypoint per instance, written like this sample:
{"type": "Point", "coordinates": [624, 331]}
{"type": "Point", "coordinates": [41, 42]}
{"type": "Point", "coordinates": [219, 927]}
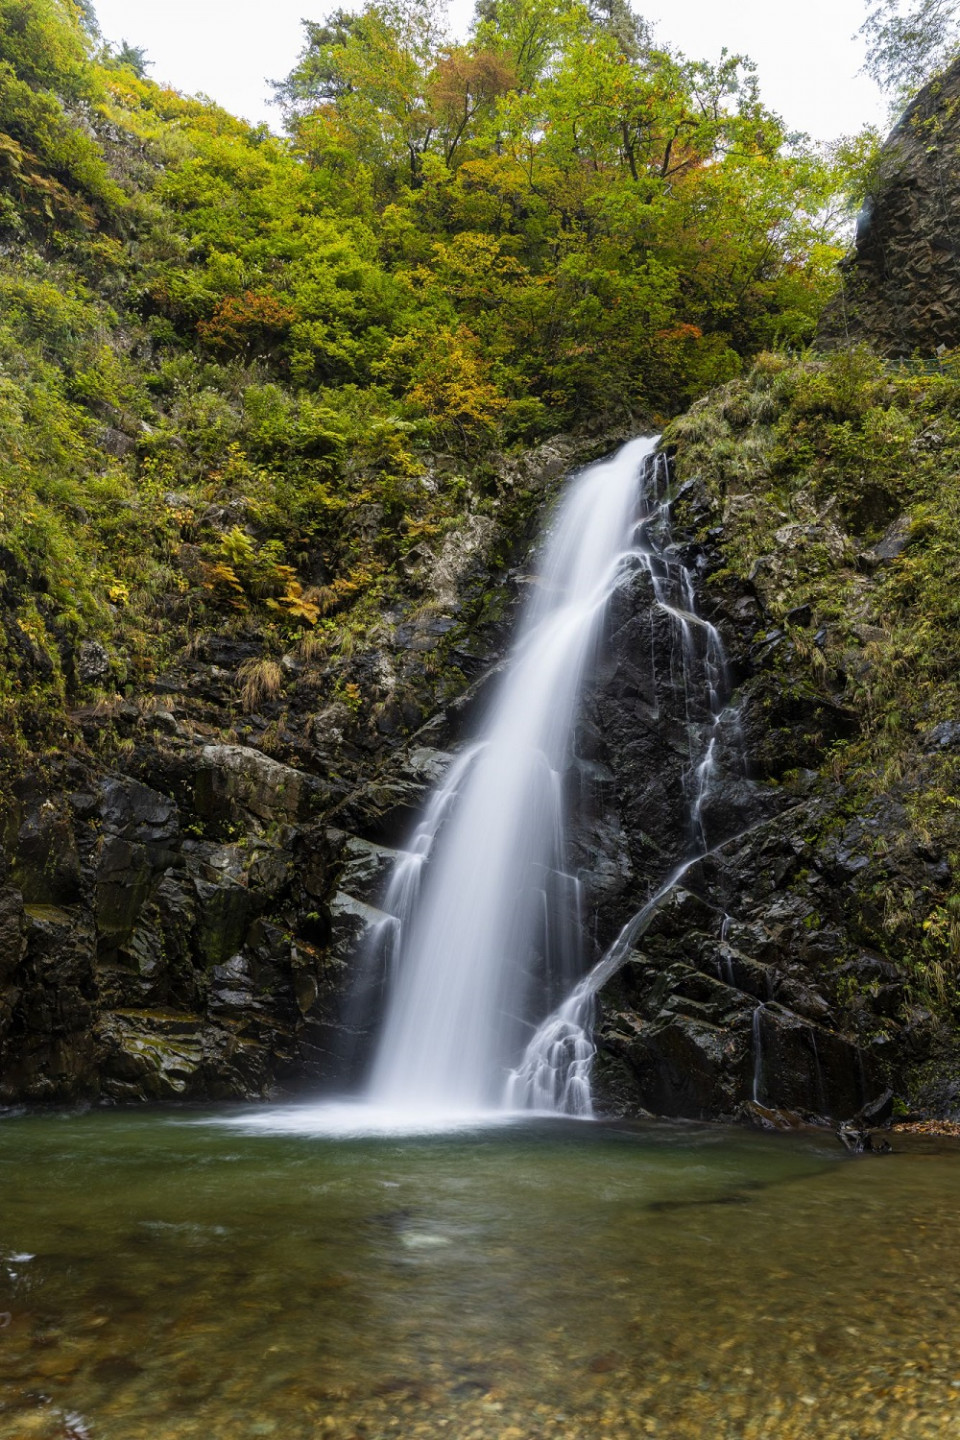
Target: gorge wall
{"type": "Point", "coordinates": [900, 290]}
{"type": "Point", "coordinates": [193, 845]}
{"type": "Point", "coordinates": [181, 914]}
{"type": "Point", "coordinates": [173, 922]}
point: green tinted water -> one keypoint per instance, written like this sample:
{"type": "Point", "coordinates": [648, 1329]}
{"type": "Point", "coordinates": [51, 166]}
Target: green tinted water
{"type": "Point", "coordinates": [563, 1280]}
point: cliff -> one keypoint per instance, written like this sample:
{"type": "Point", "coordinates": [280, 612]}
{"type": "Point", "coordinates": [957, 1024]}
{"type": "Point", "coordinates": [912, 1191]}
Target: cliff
{"type": "Point", "coordinates": [266, 515]}
{"type": "Point", "coordinates": [811, 962]}
{"type": "Point", "coordinates": [180, 905]}
{"type": "Point", "coordinates": [900, 290]}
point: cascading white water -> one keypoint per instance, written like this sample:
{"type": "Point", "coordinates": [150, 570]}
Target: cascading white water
{"type": "Point", "coordinates": [554, 1073]}
{"type": "Point", "coordinates": [481, 909]}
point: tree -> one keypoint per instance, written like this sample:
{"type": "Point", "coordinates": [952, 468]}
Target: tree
{"type": "Point", "coordinates": [465, 86]}
{"type": "Point", "coordinates": [88, 18]}
{"type": "Point", "coordinates": [529, 32]}
{"type": "Point", "coordinates": [320, 76]}
{"type": "Point", "coordinates": [361, 85]}
{"type": "Point", "coordinates": [47, 46]}
{"type": "Point", "coordinates": [633, 34]}
{"type": "Point", "coordinates": [906, 47]}
{"type": "Point", "coordinates": [134, 57]}
{"type": "Point", "coordinates": [584, 214]}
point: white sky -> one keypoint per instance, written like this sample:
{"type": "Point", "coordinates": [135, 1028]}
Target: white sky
{"type": "Point", "coordinates": [228, 49]}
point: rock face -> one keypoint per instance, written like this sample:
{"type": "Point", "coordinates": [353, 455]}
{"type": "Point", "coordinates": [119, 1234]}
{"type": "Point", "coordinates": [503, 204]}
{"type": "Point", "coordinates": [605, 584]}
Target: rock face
{"type": "Point", "coordinates": [190, 929]}
{"type": "Point", "coordinates": [901, 282]}
{"type": "Point", "coordinates": [182, 919]}
{"type": "Point", "coordinates": [182, 889]}
{"type": "Point", "coordinates": [727, 1006]}
{"type": "Point", "coordinates": [734, 1001]}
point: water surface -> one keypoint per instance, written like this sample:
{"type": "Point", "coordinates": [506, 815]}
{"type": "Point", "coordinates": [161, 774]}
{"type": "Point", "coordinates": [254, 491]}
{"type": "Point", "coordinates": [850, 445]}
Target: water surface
{"type": "Point", "coordinates": [162, 1280]}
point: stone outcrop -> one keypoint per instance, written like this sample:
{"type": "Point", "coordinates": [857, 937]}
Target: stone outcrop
{"type": "Point", "coordinates": [182, 889]}
{"type": "Point", "coordinates": [901, 281]}
{"type": "Point", "coordinates": [190, 928]}
{"type": "Point", "coordinates": [729, 1000]}
{"type": "Point", "coordinates": [750, 994]}
{"type": "Point", "coordinates": [181, 912]}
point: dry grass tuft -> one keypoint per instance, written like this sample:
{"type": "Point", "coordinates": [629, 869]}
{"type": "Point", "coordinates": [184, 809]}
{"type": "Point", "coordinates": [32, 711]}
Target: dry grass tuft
{"type": "Point", "coordinates": [259, 680]}
{"type": "Point", "coordinates": [312, 645]}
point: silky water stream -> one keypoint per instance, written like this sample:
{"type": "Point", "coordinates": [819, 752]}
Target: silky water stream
{"type": "Point", "coordinates": [479, 959]}
{"type": "Point", "coordinates": [484, 926]}
{"type": "Point", "coordinates": [436, 1259]}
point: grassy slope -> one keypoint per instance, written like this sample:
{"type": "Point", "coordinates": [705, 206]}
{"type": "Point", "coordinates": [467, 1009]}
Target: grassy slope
{"type": "Point", "coordinates": [812, 465]}
{"type": "Point", "coordinates": [161, 469]}
{"type": "Point", "coordinates": [238, 386]}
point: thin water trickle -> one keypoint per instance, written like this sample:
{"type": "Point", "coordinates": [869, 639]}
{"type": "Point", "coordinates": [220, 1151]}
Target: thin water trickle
{"type": "Point", "coordinates": [818, 1071]}
{"type": "Point", "coordinates": [757, 1054]}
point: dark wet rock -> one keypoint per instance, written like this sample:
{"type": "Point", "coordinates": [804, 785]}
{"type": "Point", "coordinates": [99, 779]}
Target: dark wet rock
{"type": "Point", "coordinates": [139, 837]}
{"type": "Point", "coordinates": [901, 290]}
{"type": "Point", "coordinates": [878, 1111]}
{"type": "Point", "coordinates": [862, 1142]}
{"type": "Point", "coordinates": [150, 1056]}
{"type": "Point", "coordinates": [13, 932]}
{"type": "Point", "coordinates": [366, 867]}
{"type": "Point", "coordinates": [730, 1000]}
{"type": "Point", "coordinates": [184, 922]}
{"type": "Point", "coordinates": [136, 813]}
{"type": "Point", "coordinates": [801, 615]}
{"type": "Point", "coordinates": [693, 1027]}
{"type": "Point", "coordinates": [123, 915]}
{"type": "Point", "coordinates": [224, 912]}
{"type": "Point", "coordinates": [50, 1041]}
{"type": "Point", "coordinates": [945, 736]}
{"type": "Point", "coordinates": [765, 1118]}
{"type": "Point", "coordinates": [352, 922]}
{"type": "Point", "coordinates": [233, 780]}
{"type": "Point", "coordinates": [890, 547]}
{"type": "Point", "coordinates": [182, 893]}
{"type": "Point", "coordinates": [13, 949]}
{"type": "Point", "coordinates": [45, 860]}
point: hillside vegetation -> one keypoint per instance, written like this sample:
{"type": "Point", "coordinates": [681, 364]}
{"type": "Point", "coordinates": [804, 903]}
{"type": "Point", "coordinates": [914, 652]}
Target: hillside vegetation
{"type": "Point", "coordinates": [243, 376]}
{"type": "Point", "coordinates": [836, 480]}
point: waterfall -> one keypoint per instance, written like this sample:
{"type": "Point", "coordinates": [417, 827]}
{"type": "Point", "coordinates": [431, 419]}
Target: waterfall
{"type": "Point", "coordinates": [757, 1031]}
{"type": "Point", "coordinates": [482, 928]}
{"type": "Point", "coordinates": [554, 1072]}
{"type": "Point", "coordinates": [485, 919]}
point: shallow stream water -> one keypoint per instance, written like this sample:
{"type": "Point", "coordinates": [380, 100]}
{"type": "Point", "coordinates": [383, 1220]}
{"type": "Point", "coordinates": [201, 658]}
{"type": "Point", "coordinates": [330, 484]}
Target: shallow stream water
{"type": "Point", "coordinates": [164, 1276]}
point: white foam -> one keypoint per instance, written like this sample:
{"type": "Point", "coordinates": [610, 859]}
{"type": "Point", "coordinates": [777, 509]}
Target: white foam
{"type": "Point", "coordinates": [344, 1119]}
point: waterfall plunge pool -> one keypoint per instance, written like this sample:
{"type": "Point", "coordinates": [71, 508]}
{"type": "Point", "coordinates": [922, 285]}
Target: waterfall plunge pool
{"type": "Point", "coordinates": [163, 1277]}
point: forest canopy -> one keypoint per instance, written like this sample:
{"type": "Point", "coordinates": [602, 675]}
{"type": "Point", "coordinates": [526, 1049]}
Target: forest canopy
{"type": "Point", "coordinates": [604, 220]}
{"type": "Point", "coordinates": [456, 245]}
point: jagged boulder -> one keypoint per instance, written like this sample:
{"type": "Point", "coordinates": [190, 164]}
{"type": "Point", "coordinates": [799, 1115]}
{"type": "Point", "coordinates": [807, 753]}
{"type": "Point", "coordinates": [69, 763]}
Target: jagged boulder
{"type": "Point", "coordinates": [237, 778]}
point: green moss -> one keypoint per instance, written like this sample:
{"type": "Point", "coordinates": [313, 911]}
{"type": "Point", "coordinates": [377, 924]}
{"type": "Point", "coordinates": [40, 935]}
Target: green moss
{"type": "Point", "coordinates": [812, 463]}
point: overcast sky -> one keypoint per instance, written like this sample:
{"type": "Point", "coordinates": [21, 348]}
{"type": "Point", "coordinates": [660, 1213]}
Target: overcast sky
{"type": "Point", "coordinates": [228, 49]}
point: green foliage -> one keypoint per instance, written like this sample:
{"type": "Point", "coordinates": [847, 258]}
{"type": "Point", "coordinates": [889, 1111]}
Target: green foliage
{"type": "Point", "coordinates": [616, 226]}
{"type": "Point", "coordinates": [908, 42]}
{"type": "Point", "coordinates": [133, 56]}
{"type": "Point", "coordinates": [225, 357]}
